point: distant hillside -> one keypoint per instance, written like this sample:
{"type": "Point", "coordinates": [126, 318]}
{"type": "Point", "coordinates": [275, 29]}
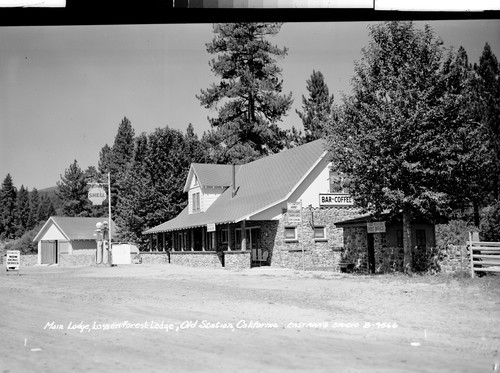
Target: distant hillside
{"type": "Point", "coordinates": [51, 193]}
{"type": "Point", "coordinates": [48, 191]}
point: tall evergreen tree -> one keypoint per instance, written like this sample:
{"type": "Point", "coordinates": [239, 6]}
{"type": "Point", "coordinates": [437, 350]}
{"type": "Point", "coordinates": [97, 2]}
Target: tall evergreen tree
{"type": "Point", "coordinates": [153, 185]}
{"type": "Point", "coordinates": [249, 93]}
{"type": "Point", "coordinates": [394, 137]}
{"type": "Point", "coordinates": [34, 206]}
{"type": "Point", "coordinates": [474, 163]}
{"type": "Point", "coordinates": [8, 195]}
{"type": "Point", "coordinates": [488, 90]}
{"type": "Point", "coordinates": [46, 209]}
{"type": "Point", "coordinates": [73, 191]}
{"type": "Point", "coordinates": [194, 147]}
{"type": "Point", "coordinates": [22, 211]}
{"type": "Point", "coordinates": [317, 108]}
{"type": "Point", "coordinates": [104, 159]}
{"type": "Point", "coordinates": [123, 148]}
{"type": "Point", "coordinates": [119, 159]}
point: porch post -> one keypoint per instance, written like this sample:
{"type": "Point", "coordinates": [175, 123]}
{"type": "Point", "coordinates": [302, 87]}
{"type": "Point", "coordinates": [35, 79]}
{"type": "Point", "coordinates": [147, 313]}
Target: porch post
{"type": "Point", "coordinates": [192, 239]}
{"type": "Point", "coordinates": [203, 238]}
{"type": "Point", "coordinates": [243, 236]}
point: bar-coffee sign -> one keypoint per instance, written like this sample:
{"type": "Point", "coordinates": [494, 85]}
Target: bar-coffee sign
{"type": "Point", "coordinates": [335, 199]}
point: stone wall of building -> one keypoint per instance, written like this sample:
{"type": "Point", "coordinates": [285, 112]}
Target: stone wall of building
{"type": "Point", "coordinates": [388, 259]}
{"type": "Point", "coordinates": [28, 260]}
{"type": "Point", "coordinates": [355, 248]}
{"type": "Point", "coordinates": [318, 253]}
{"type": "Point", "coordinates": [453, 259]}
{"type": "Point", "coordinates": [81, 259]}
{"type": "Point", "coordinates": [317, 259]}
{"type": "Point", "coordinates": [206, 259]}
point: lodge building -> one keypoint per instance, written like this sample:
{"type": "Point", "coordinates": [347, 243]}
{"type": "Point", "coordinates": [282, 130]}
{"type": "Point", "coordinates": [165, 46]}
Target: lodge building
{"type": "Point", "coordinates": [276, 211]}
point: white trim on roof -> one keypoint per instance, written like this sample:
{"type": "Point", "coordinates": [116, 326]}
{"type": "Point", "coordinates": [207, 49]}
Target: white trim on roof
{"type": "Point", "coordinates": [44, 230]}
{"type": "Point", "coordinates": [247, 217]}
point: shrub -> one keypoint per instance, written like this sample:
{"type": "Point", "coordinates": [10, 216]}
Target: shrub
{"type": "Point", "coordinates": [25, 244]}
{"type": "Point", "coordinates": [490, 223]}
{"type": "Point", "coordinates": [456, 232]}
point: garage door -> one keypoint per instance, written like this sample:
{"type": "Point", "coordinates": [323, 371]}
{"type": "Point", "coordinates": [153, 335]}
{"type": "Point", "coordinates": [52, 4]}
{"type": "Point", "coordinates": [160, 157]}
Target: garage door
{"type": "Point", "coordinates": [49, 252]}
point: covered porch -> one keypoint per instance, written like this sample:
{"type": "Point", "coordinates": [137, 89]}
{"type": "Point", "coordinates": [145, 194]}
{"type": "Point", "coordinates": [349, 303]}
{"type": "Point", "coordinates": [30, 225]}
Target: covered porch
{"type": "Point", "coordinates": [221, 240]}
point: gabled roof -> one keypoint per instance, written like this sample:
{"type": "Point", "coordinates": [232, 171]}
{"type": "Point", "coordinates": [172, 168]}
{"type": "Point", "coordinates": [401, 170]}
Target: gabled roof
{"type": "Point", "coordinates": [210, 175]}
{"type": "Point", "coordinates": [74, 228]}
{"type": "Point", "coordinates": [260, 184]}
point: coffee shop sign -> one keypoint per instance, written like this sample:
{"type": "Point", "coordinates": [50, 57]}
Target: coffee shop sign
{"type": "Point", "coordinates": [332, 199]}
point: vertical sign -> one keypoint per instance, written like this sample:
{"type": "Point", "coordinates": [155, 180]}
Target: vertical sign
{"type": "Point", "coordinates": [294, 213]}
{"type": "Point", "coordinates": [13, 260]}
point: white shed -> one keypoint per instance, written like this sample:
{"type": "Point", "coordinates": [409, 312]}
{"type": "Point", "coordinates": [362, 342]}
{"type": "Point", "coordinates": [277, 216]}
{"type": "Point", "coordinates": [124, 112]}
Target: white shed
{"type": "Point", "coordinates": [63, 238]}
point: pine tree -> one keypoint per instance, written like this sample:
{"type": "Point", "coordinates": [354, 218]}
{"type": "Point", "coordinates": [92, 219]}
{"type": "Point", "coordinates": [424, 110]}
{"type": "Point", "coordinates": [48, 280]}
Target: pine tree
{"type": "Point", "coordinates": [317, 108]}
{"type": "Point", "coordinates": [8, 195]}
{"type": "Point", "coordinates": [249, 93]}
{"type": "Point", "coordinates": [34, 205]}
{"type": "Point", "coordinates": [73, 191]}
{"type": "Point", "coordinates": [123, 148]}
{"type": "Point", "coordinates": [104, 159]}
{"type": "Point", "coordinates": [22, 211]}
{"type": "Point", "coordinates": [153, 185]}
{"type": "Point", "coordinates": [118, 159]}
{"type": "Point", "coordinates": [488, 91]}
{"type": "Point", "coordinates": [46, 209]}
{"type": "Point", "coordinates": [194, 147]}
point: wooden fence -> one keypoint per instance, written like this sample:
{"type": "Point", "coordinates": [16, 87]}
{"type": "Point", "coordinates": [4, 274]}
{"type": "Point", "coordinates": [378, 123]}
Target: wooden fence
{"type": "Point", "coordinates": [484, 256]}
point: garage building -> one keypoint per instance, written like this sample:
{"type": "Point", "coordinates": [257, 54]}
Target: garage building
{"type": "Point", "coordinates": [68, 240]}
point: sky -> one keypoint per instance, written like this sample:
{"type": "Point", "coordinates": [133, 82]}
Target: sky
{"type": "Point", "coordinates": [65, 89]}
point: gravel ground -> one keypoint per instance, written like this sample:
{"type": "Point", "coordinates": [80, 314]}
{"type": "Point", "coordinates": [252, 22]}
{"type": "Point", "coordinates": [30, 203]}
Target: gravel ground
{"type": "Point", "coordinates": [165, 318]}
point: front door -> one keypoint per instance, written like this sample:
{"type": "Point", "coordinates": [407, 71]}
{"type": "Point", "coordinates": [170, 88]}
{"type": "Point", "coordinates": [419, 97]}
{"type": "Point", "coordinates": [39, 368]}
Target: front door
{"type": "Point", "coordinates": [371, 253]}
{"type": "Point", "coordinates": [49, 252]}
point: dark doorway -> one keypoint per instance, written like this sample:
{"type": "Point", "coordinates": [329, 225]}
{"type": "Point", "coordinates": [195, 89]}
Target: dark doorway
{"type": "Point", "coordinates": [371, 253]}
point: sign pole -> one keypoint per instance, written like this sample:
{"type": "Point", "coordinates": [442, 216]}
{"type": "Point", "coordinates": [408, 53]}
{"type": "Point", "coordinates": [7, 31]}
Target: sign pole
{"type": "Point", "coordinates": [109, 220]}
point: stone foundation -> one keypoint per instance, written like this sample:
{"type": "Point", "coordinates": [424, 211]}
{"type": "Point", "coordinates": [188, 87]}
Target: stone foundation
{"type": "Point", "coordinates": [310, 259]}
{"type": "Point", "coordinates": [454, 259]}
{"type": "Point", "coordinates": [205, 259]}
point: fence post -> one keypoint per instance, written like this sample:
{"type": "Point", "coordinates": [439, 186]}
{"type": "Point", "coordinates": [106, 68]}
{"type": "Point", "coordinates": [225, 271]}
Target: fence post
{"type": "Point", "coordinates": [471, 257]}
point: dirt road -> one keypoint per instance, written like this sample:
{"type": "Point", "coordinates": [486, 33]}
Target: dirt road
{"type": "Point", "coordinates": [167, 318]}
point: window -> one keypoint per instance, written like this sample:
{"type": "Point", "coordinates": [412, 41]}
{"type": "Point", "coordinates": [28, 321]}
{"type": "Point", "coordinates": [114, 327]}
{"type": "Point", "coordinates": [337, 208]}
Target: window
{"type": "Point", "coordinates": [319, 233]}
{"type": "Point", "coordinates": [290, 234]}
{"type": "Point", "coordinates": [211, 241]}
{"type": "Point", "coordinates": [196, 202]}
{"type": "Point", "coordinates": [399, 238]}
{"type": "Point", "coordinates": [224, 234]}
{"type": "Point", "coordinates": [420, 238]}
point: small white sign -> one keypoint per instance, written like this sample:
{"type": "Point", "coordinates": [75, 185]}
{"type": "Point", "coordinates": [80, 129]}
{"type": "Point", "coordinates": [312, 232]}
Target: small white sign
{"type": "Point", "coordinates": [376, 227]}
{"type": "Point", "coordinates": [211, 227]}
{"type": "Point", "coordinates": [13, 260]}
{"type": "Point", "coordinates": [97, 195]}
{"type": "Point", "coordinates": [294, 210]}
{"type": "Point", "coordinates": [332, 199]}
